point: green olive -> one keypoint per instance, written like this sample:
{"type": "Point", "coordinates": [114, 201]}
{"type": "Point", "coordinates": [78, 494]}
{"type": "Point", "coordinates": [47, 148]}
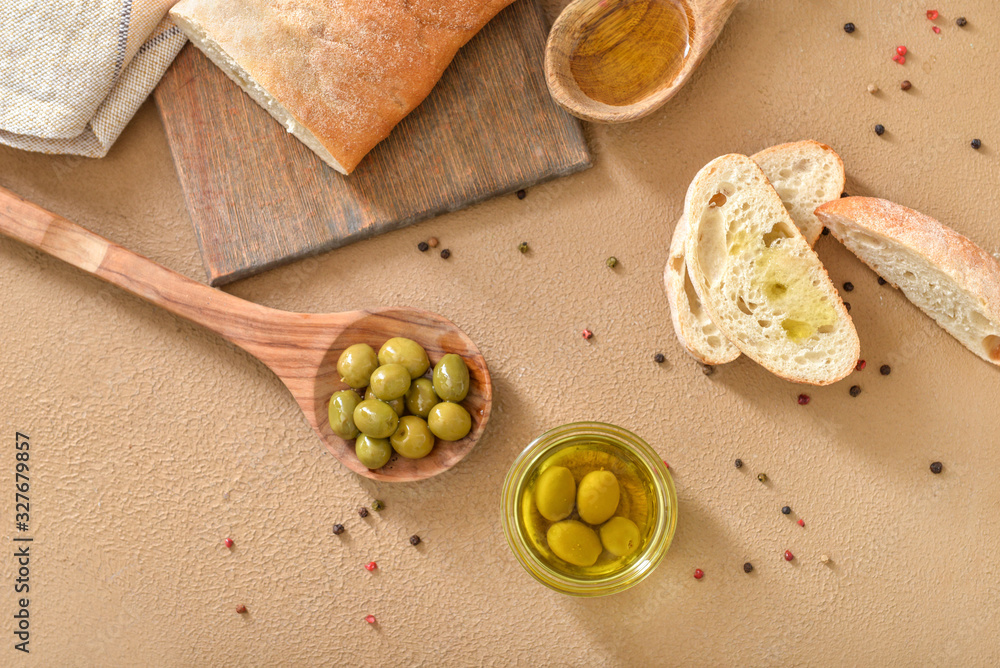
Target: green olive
{"type": "Point", "coordinates": [398, 405]}
{"type": "Point", "coordinates": [412, 439]}
{"type": "Point", "coordinates": [574, 542]}
{"type": "Point", "coordinates": [375, 418]}
{"type": "Point", "coordinates": [373, 452]}
{"type": "Point", "coordinates": [407, 352]}
{"type": "Point", "coordinates": [449, 422]}
{"type": "Point", "coordinates": [555, 493]}
{"type": "Point", "coordinates": [620, 536]}
{"type": "Point", "coordinates": [597, 496]}
{"type": "Point", "coordinates": [341, 413]}
{"type": "Point", "coordinates": [451, 378]}
{"type": "Point", "coordinates": [421, 398]}
{"type": "Point", "coordinates": [390, 381]}
{"type": "Point", "coordinates": [356, 364]}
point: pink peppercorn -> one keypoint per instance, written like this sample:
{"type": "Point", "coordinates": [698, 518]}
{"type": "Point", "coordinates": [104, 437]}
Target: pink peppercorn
{"type": "Point", "coordinates": [229, 542]}
{"type": "Point", "coordinates": [937, 31]}
{"type": "Point", "coordinates": [587, 334]}
{"type": "Point", "coordinates": [861, 365]}
{"type": "Point", "coordinates": [803, 399]}
{"type": "Point", "coordinates": [932, 14]}
{"type": "Point", "coordinates": [241, 609]}
{"type": "Point", "coordinates": [370, 619]}
{"type": "Point", "coordinates": [371, 565]}
{"type": "Point", "coordinates": [698, 574]}
{"type": "Point", "coordinates": [789, 556]}
{"type": "Point", "coordinates": [901, 50]}
{"type": "Point", "coordinates": [802, 523]}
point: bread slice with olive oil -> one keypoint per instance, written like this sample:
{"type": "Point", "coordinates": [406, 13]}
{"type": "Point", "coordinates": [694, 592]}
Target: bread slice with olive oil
{"type": "Point", "coordinates": [805, 174]}
{"type": "Point", "coordinates": [947, 276]}
{"type": "Point", "coordinates": [759, 280]}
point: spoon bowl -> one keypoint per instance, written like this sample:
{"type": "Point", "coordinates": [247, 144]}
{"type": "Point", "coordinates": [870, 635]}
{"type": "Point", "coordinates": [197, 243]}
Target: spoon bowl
{"type": "Point", "coordinates": [613, 61]}
{"type": "Point", "coordinates": [302, 349]}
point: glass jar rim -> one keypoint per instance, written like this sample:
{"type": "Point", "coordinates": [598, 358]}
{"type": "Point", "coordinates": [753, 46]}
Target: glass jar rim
{"type": "Point", "coordinates": [664, 493]}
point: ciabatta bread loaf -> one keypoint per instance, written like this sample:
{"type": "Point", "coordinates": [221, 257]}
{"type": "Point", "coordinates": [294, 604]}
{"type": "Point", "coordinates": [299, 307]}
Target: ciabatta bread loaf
{"type": "Point", "coordinates": [948, 277]}
{"type": "Point", "coordinates": [759, 280]}
{"type": "Point", "coordinates": [338, 75]}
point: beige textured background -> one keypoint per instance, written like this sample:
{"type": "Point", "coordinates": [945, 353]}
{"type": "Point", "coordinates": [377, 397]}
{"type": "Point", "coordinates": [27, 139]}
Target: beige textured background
{"type": "Point", "coordinates": [152, 440]}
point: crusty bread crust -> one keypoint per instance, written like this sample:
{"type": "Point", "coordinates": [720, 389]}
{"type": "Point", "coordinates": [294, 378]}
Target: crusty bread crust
{"type": "Point", "coordinates": [348, 71]}
{"type": "Point", "coordinates": [895, 239]}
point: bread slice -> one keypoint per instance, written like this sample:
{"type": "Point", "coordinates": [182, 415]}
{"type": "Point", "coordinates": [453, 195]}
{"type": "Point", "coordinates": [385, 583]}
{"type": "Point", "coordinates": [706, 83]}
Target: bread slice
{"type": "Point", "coordinates": [338, 75]}
{"type": "Point", "coordinates": [947, 276]}
{"type": "Point", "coordinates": [805, 174]}
{"type": "Point", "coordinates": [759, 280]}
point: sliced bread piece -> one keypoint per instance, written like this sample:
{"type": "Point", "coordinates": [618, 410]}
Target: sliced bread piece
{"type": "Point", "coordinates": [948, 277]}
{"type": "Point", "coordinates": [803, 173]}
{"type": "Point", "coordinates": [759, 280]}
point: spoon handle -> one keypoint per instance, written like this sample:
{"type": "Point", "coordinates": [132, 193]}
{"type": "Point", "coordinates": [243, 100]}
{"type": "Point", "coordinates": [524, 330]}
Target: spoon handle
{"type": "Point", "coordinates": [229, 316]}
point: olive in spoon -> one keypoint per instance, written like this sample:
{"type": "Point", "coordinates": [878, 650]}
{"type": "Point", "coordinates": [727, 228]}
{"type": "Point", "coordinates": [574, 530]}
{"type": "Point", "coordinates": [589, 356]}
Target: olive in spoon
{"type": "Point", "coordinates": [613, 61]}
{"type": "Point", "coordinates": [300, 348]}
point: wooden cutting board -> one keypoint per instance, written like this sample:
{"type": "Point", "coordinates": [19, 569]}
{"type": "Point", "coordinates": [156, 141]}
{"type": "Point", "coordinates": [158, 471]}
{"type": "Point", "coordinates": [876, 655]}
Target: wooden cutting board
{"type": "Point", "coordinates": [258, 198]}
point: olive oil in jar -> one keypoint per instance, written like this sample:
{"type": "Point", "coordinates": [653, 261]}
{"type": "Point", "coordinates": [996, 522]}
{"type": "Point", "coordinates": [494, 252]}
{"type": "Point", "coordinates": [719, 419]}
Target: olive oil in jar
{"type": "Point", "coordinates": [636, 495]}
{"type": "Point", "coordinates": [629, 49]}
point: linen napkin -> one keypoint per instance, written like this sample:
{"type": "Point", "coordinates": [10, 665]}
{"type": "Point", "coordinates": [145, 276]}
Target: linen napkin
{"type": "Point", "coordinates": [73, 73]}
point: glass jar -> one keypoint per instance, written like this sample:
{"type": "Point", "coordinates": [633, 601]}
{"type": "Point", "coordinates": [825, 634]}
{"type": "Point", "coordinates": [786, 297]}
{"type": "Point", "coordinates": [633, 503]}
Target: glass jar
{"type": "Point", "coordinates": [635, 453]}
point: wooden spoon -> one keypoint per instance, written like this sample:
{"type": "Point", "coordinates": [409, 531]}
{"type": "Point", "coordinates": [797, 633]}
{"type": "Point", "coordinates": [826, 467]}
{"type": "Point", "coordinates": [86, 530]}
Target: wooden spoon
{"type": "Point", "coordinates": [300, 348]}
{"type": "Point", "coordinates": [630, 56]}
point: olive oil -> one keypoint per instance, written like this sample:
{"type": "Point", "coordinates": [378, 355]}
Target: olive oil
{"type": "Point", "coordinates": [629, 49]}
{"type": "Point", "coordinates": [637, 493]}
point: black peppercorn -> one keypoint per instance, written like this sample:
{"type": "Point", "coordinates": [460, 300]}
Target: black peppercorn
{"type": "Point", "coordinates": [707, 369]}
{"type": "Point", "coordinates": [659, 358]}
{"type": "Point", "coordinates": [844, 194]}
{"type": "Point", "coordinates": [748, 567]}
{"type": "Point", "coordinates": [848, 286]}
{"type": "Point", "coordinates": [362, 512]}
{"type": "Point", "coordinates": [885, 369]}
{"type": "Point", "coordinates": [521, 194]}
{"type": "Point", "coordinates": [422, 246]}
{"type": "Point", "coordinates": [785, 510]}
{"type": "Point", "coordinates": [906, 85]}
{"type": "Point", "coordinates": [960, 21]}
{"type": "Point", "coordinates": [738, 463]}
{"type": "Point", "coordinates": [855, 390]}
{"type": "Point", "coordinates": [377, 505]}
{"type": "Point", "coordinates": [848, 28]}
{"type": "Point", "coordinates": [882, 281]}
{"type": "Point", "coordinates": [446, 253]}
{"type": "Point", "coordinates": [879, 129]}
{"type": "Point", "coordinates": [338, 529]}
{"type": "Point", "coordinates": [414, 539]}
{"type": "Point", "coordinates": [936, 467]}
{"type": "Point", "coordinates": [976, 144]}
{"type": "Point", "coordinates": [847, 305]}
{"type": "Point", "coordinates": [826, 231]}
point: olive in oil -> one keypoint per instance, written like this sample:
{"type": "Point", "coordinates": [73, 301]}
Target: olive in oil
{"type": "Point", "coordinates": [636, 502]}
{"type": "Point", "coordinates": [629, 49]}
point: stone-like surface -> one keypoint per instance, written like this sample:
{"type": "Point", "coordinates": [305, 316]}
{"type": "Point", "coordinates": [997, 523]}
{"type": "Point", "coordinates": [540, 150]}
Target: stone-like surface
{"type": "Point", "coordinates": [152, 440]}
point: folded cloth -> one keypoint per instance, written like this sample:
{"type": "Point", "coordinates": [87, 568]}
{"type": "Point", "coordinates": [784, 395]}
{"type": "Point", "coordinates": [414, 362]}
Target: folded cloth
{"type": "Point", "coordinates": [72, 74]}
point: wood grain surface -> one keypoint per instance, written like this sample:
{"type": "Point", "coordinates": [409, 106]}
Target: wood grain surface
{"type": "Point", "coordinates": [259, 198]}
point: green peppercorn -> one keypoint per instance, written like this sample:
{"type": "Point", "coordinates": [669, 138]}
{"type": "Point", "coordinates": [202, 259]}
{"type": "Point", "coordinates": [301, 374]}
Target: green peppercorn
{"type": "Point", "coordinates": [523, 247]}
{"type": "Point", "coordinates": [612, 262]}
{"type": "Point", "coordinates": [762, 477]}
{"type": "Point", "coordinates": [377, 505]}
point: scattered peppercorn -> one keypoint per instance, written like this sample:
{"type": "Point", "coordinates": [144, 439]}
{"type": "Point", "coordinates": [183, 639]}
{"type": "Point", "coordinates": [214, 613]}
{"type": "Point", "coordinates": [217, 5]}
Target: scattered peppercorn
{"type": "Point", "coordinates": [414, 539]}
{"type": "Point", "coordinates": [880, 129]}
{"type": "Point", "coordinates": [521, 194]}
{"type": "Point", "coordinates": [446, 253]}
{"type": "Point", "coordinates": [882, 281]}
{"type": "Point", "coordinates": [667, 464]}
{"type": "Point", "coordinates": [362, 511]}
{"type": "Point", "coordinates": [612, 262]}
{"type": "Point", "coordinates": [855, 390]}
{"type": "Point", "coordinates": [748, 567]}
{"type": "Point", "coordinates": [937, 31]}
{"type": "Point", "coordinates": [901, 50]}
{"type": "Point", "coordinates": [241, 609]}
{"type": "Point", "coordinates": [906, 85]}
{"type": "Point", "coordinates": [936, 467]}
{"type": "Point", "coordinates": [960, 21]}
{"type": "Point", "coordinates": [785, 510]}
{"type": "Point", "coordinates": [423, 246]}
{"type": "Point", "coordinates": [377, 505]}
{"type": "Point", "coordinates": [762, 477]}
{"type": "Point", "coordinates": [228, 542]}
{"type": "Point", "coordinates": [587, 334]}
{"type": "Point", "coordinates": [824, 558]}
{"type": "Point", "coordinates": [698, 574]}
{"type": "Point", "coordinates": [844, 194]}
{"type": "Point", "coordinates": [899, 59]}
{"type": "Point", "coordinates": [976, 144]}
{"type": "Point", "coordinates": [789, 556]}
{"type": "Point", "coordinates": [860, 366]}
{"type": "Point", "coordinates": [433, 242]}
{"type": "Point", "coordinates": [370, 619]}
{"type": "Point", "coordinates": [370, 566]}
{"type": "Point", "coordinates": [932, 14]}
{"type": "Point", "coordinates": [523, 247]}
{"type": "Point", "coordinates": [707, 369]}
{"type": "Point", "coordinates": [848, 286]}
{"type": "Point", "coordinates": [847, 305]}
{"type": "Point", "coordinates": [659, 358]}
{"type": "Point", "coordinates": [338, 529]}
{"type": "Point", "coordinates": [738, 463]}
{"type": "Point", "coordinates": [801, 523]}
{"type": "Point", "coordinates": [803, 399]}
{"type": "Point", "coordinates": [872, 88]}
{"type": "Point", "coordinates": [885, 369]}
{"type": "Point", "coordinates": [826, 231]}
{"type": "Point", "coordinates": [848, 28]}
